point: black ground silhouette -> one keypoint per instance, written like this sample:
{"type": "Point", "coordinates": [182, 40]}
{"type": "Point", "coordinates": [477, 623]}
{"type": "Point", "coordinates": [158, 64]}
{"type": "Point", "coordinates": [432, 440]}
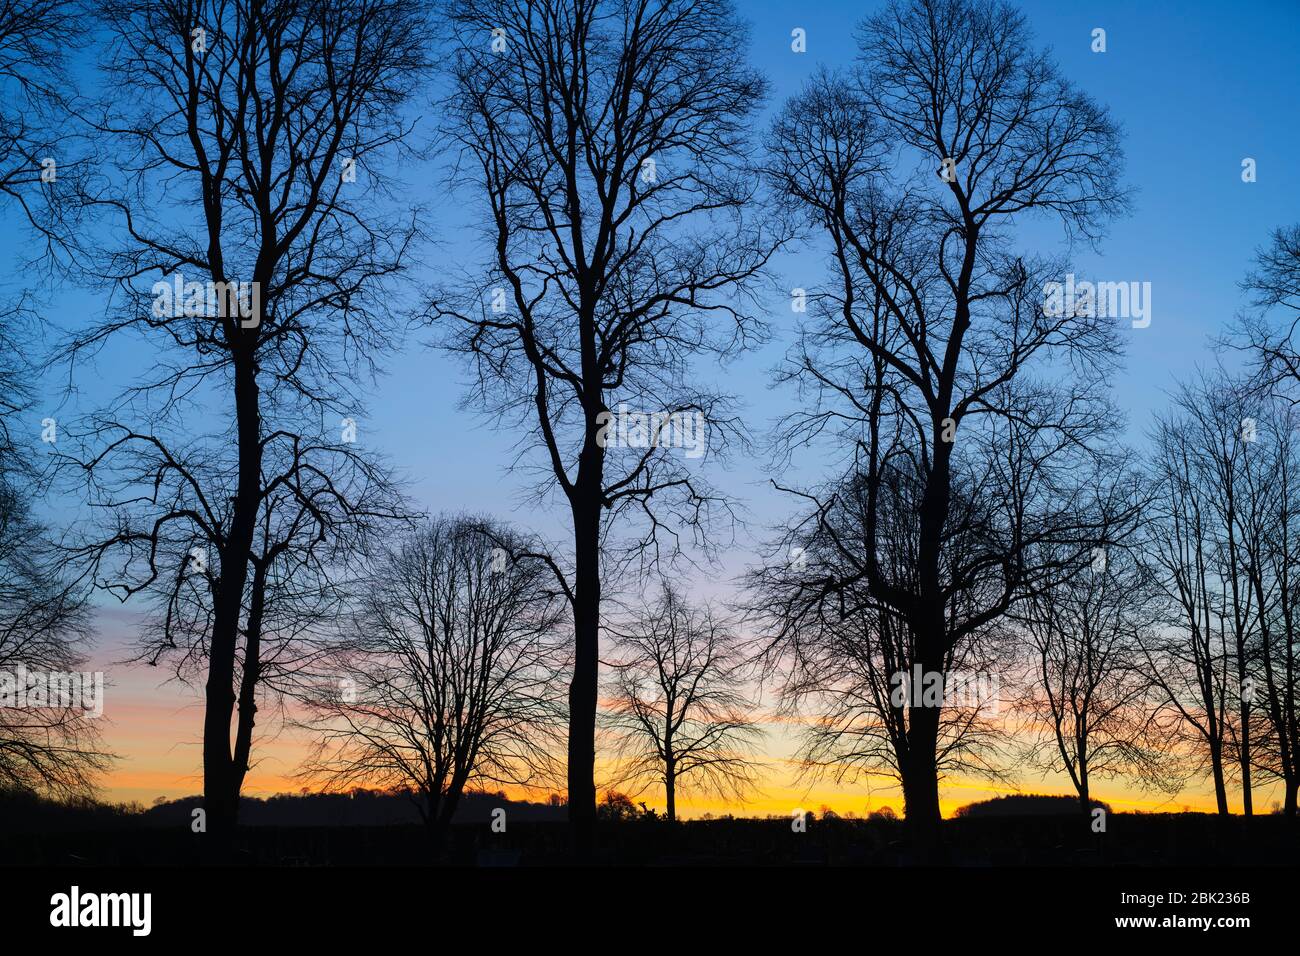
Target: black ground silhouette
{"type": "Point", "coordinates": [371, 828]}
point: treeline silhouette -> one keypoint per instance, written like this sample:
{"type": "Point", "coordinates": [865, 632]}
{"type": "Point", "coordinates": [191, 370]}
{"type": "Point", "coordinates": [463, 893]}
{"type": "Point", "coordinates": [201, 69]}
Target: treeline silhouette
{"type": "Point", "coordinates": [25, 809]}
{"type": "Point", "coordinates": [370, 827]}
{"type": "Point", "coordinates": [1017, 805]}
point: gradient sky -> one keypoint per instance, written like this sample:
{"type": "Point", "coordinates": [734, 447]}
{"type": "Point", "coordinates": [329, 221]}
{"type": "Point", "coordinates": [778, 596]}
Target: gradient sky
{"type": "Point", "coordinates": [1197, 87]}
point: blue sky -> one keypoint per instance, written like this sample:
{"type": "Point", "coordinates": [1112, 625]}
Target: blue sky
{"type": "Point", "coordinates": [1197, 87]}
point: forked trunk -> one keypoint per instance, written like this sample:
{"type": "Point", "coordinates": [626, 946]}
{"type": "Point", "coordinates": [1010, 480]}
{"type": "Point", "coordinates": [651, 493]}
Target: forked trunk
{"type": "Point", "coordinates": [222, 779]}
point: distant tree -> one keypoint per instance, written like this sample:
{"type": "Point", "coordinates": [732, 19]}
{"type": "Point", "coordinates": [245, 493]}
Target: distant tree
{"type": "Point", "coordinates": [927, 352]}
{"type": "Point", "coordinates": [1271, 542]}
{"type": "Point", "coordinates": [1024, 804]}
{"type": "Point", "coordinates": [1086, 701]}
{"type": "Point", "coordinates": [607, 144]}
{"type": "Point", "coordinates": [616, 807]}
{"type": "Point", "coordinates": [1270, 342]}
{"type": "Point", "coordinates": [1201, 661]}
{"type": "Point", "coordinates": [678, 710]}
{"type": "Point", "coordinates": [449, 680]}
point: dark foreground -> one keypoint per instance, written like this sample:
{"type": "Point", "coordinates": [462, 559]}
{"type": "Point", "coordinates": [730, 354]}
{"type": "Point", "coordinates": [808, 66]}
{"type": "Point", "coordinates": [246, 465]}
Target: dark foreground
{"type": "Point", "coordinates": [727, 881]}
{"type": "Point", "coordinates": [1130, 840]}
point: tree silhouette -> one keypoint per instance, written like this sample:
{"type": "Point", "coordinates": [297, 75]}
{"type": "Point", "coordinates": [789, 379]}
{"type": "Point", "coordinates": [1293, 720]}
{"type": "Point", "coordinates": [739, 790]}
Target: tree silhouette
{"type": "Point", "coordinates": [1086, 699]}
{"type": "Point", "coordinates": [241, 142]}
{"type": "Point", "coordinates": [1269, 341]}
{"type": "Point", "coordinates": [450, 677]}
{"type": "Point", "coordinates": [1269, 538]}
{"type": "Point", "coordinates": [842, 655]}
{"type": "Point", "coordinates": [922, 358]}
{"type": "Point", "coordinates": [1200, 663]}
{"type": "Point", "coordinates": [678, 710]}
{"type": "Point", "coordinates": [605, 142]}
{"type": "Point", "coordinates": [51, 748]}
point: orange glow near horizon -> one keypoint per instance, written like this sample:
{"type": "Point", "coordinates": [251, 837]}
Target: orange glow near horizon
{"type": "Point", "coordinates": [156, 731]}
{"type": "Point", "coordinates": [155, 727]}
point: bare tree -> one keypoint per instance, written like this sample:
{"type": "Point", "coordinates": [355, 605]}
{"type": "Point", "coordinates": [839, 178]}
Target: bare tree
{"type": "Point", "coordinates": [1269, 537]}
{"type": "Point", "coordinates": [1202, 661]}
{"type": "Point", "coordinates": [933, 346]}
{"type": "Point", "coordinates": [847, 662]}
{"type": "Point", "coordinates": [1269, 341]}
{"type": "Point", "coordinates": [606, 143]}
{"type": "Point", "coordinates": [1086, 702]}
{"type": "Point", "coordinates": [451, 675]}
{"type": "Point", "coordinates": [48, 741]}
{"type": "Point", "coordinates": [51, 743]}
{"type": "Point", "coordinates": [245, 152]}
{"type": "Point", "coordinates": [678, 709]}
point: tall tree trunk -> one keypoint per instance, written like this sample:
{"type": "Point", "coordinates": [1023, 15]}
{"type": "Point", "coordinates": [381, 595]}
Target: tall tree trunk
{"type": "Point", "coordinates": [920, 771]}
{"type": "Point", "coordinates": [1220, 788]}
{"type": "Point", "coordinates": [1247, 802]}
{"type": "Point", "coordinates": [921, 778]}
{"type": "Point", "coordinates": [1243, 711]}
{"type": "Point", "coordinates": [670, 788]}
{"type": "Point", "coordinates": [1085, 799]}
{"type": "Point", "coordinates": [221, 783]}
{"type": "Point", "coordinates": [582, 690]}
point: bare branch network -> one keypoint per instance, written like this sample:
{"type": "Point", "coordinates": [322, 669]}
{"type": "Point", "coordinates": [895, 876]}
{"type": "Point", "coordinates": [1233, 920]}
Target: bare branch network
{"type": "Point", "coordinates": [977, 576]}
